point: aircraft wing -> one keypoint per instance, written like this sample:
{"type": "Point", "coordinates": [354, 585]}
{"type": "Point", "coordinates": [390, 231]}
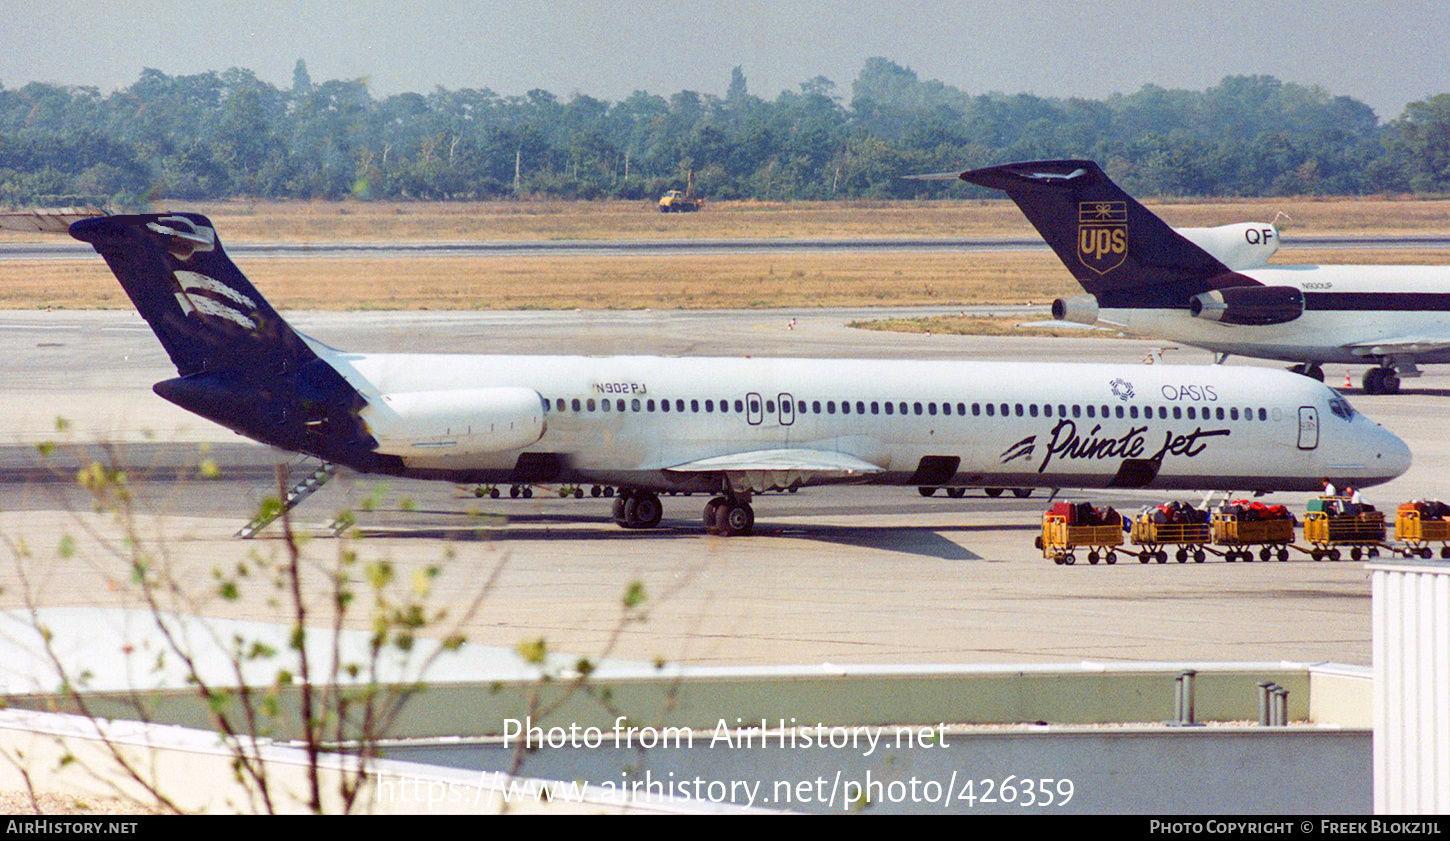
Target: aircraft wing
{"type": "Point", "coordinates": [761, 470]}
{"type": "Point", "coordinates": [1407, 345]}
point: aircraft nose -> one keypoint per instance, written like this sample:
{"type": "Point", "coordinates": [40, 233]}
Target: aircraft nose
{"type": "Point", "coordinates": [1391, 456]}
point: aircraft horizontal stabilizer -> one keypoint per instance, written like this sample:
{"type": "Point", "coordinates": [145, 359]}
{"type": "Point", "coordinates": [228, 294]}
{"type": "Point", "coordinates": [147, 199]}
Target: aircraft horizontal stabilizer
{"type": "Point", "coordinates": [52, 220]}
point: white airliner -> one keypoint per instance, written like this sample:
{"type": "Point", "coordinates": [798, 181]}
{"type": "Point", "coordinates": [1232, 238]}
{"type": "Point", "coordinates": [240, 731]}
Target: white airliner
{"type": "Point", "coordinates": [1215, 291]}
{"type": "Point", "coordinates": [726, 426]}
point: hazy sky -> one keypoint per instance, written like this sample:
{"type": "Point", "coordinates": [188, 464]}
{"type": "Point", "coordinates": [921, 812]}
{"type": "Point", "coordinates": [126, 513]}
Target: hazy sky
{"type": "Point", "coordinates": [1383, 53]}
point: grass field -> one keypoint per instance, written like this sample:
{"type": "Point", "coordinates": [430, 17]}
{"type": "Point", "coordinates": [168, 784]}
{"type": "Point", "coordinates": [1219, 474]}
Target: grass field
{"type": "Point", "coordinates": [703, 281]}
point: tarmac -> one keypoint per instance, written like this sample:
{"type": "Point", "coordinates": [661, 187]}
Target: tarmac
{"type": "Point", "coordinates": [838, 576]}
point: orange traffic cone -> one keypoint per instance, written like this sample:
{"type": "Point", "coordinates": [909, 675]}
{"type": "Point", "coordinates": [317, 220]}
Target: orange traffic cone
{"type": "Point", "coordinates": [1347, 383]}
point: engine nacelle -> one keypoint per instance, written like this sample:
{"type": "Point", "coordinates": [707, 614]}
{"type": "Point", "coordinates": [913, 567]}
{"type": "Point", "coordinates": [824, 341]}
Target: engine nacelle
{"type": "Point", "coordinates": [1246, 245]}
{"type": "Point", "coordinates": [1249, 305]}
{"type": "Point", "coordinates": [1080, 309]}
{"type": "Point", "coordinates": [456, 422]}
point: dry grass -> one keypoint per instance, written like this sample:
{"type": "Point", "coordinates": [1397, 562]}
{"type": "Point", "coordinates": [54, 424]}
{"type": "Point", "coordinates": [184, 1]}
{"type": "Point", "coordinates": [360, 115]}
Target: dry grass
{"type": "Point", "coordinates": [560, 220]}
{"type": "Point", "coordinates": [696, 281]}
{"type": "Point", "coordinates": [608, 282]}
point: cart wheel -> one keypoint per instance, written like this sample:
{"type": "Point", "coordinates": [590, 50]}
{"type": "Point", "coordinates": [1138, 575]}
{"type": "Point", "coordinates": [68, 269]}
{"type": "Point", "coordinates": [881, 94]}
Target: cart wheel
{"type": "Point", "coordinates": [1111, 557]}
{"type": "Point", "coordinates": [1161, 557]}
{"type": "Point", "coordinates": [1264, 554]}
{"type": "Point", "coordinates": [1426, 553]}
{"type": "Point", "coordinates": [1230, 556]}
{"type": "Point", "coordinates": [1246, 556]}
{"type": "Point", "coordinates": [1181, 555]}
{"type": "Point", "coordinates": [1057, 559]}
{"type": "Point", "coordinates": [1445, 552]}
{"type": "Point", "coordinates": [1315, 554]}
{"type": "Point", "coordinates": [1037, 542]}
{"type": "Point", "coordinates": [1355, 554]}
{"type": "Point", "coordinates": [1068, 559]}
{"type": "Point", "coordinates": [1283, 555]}
{"type": "Point", "coordinates": [1373, 552]}
{"type": "Point", "coordinates": [1334, 554]}
{"type": "Point", "coordinates": [1093, 558]}
{"type": "Point", "coordinates": [1144, 557]}
{"type": "Point", "coordinates": [1198, 556]}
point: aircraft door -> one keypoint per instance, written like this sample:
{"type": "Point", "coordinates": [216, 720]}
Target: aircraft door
{"type": "Point", "coordinates": [1308, 427]}
{"type": "Point", "coordinates": [787, 409]}
{"type": "Point", "coordinates": [754, 409]}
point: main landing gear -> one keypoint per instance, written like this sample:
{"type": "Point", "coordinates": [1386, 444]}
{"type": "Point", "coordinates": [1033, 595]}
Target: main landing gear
{"type": "Point", "coordinates": [728, 516]}
{"type": "Point", "coordinates": [1381, 381]}
{"type": "Point", "coordinates": [637, 509]}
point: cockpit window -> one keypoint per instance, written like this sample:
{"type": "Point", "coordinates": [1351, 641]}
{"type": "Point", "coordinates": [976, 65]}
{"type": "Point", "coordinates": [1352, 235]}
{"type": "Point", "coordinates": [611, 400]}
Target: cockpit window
{"type": "Point", "coordinates": [1341, 407]}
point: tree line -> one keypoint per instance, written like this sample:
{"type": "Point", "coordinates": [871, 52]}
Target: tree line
{"type": "Point", "coordinates": [218, 135]}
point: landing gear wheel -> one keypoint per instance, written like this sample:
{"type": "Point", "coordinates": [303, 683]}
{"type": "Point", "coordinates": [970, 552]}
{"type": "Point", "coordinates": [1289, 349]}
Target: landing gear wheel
{"type": "Point", "coordinates": [643, 511]}
{"type": "Point", "coordinates": [618, 510]}
{"type": "Point", "coordinates": [1022, 493]}
{"type": "Point", "coordinates": [993, 492]}
{"type": "Point", "coordinates": [734, 518]}
{"type": "Point", "coordinates": [926, 491]}
{"type": "Point", "coordinates": [712, 509]}
{"type": "Point", "coordinates": [954, 493]}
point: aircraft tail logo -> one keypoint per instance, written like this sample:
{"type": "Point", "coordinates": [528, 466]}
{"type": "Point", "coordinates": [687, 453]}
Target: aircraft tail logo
{"type": "Point", "coordinates": [1102, 234]}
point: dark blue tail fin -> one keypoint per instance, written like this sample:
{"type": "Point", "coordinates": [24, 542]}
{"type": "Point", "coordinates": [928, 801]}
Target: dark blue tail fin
{"type": "Point", "coordinates": [240, 363]}
{"type": "Point", "coordinates": [1115, 247]}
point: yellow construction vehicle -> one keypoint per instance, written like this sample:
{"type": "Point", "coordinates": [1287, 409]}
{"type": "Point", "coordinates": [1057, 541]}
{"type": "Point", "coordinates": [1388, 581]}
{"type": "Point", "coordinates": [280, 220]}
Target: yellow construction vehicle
{"type": "Point", "coordinates": [677, 202]}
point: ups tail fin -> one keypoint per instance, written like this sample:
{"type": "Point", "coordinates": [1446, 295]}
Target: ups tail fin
{"type": "Point", "coordinates": [1116, 248]}
{"type": "Point", "coordinates": [240, 364]}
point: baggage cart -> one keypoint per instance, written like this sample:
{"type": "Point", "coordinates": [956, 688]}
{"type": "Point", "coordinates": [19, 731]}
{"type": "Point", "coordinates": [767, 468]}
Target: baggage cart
{"type": "Point", "coordinates": [1417, 533]}
{"type": "Point", "coordinates": [1237, 535]}
{"type": "Point", "coordinates": [1362, 533]}
{"type": "Point", "coordinates": [1151, 537]}
{"type": "Point", "coordinates": [1059, 541]}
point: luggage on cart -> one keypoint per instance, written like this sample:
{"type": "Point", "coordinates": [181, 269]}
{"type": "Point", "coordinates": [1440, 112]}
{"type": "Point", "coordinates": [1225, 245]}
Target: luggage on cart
{"type": "Point", "coordinates": [1068, 527]}
{"type": "Point", "coordinates": [1334, 522]}
{"type": "Point", "coordinates": [1420, 523]}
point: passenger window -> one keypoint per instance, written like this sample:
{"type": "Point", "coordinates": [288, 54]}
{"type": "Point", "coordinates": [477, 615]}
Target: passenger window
{"type": "Point", "coordinates": [1263, 415]}
{"type": "Point", "coordinates": [575, 404]}
{"type": "Point", "coordinates": [694, 405]}
{"type": "Point", "coordinates": [845, 407]}
{"type": "Point", "coordinates": [889, 408]}
{"type": "Point", "coordinates": [991, 410]}
{"type": "Point", "coordinates": [1118, 411]}
{"type": "Point", "coordinates": [976, 409]}
{"type": "Point", "coordinates": [604, 405]}
{"type": "Point", "coordinates": [591, 404]}
{"type": "Point", "coordinates": [1090, 411]}
{"type": "Point", "coordinates": [860, 407]}
{"type": "Point", "coordinates": [619, 404]}
{"type": "Point", "coordinates": [754, 407]}
{"type": "Point", "coordinates": [875, 408]}
{"type": "Point", "coordinates": [1076, 411]}
{"type": "Point", "coordinates": [1032, 409]}
{"type": "Point", "coordinates": [916, 407]}
{"type": "Point", "coordinates": [1162, 413]}
{"type": "Point", "coordinates": [800, 407]}
{"type": "Point", "coordinates": [830, 407]}
{"type": "Point", "coordinates": [1233, 413]}
{"type": "Point", "coordinates": [961, 408]}
{"type": "Point", "coordinates": [1047, 410]}
{"type": "Point", "coordinates": [816, 406]}
{"type": "Point", "coordinates": [1018, 408]}
{"type": "Point", "coordinates": [1191, 415]}
{"type": "Point", "coordinates": [634, 404]}
{"type": "Point", "coordinates": [664, 405]}
{"type": "Point", "coordinates": [739, 406]}
{"type": "Point", "coordinates": [1178, 413]}
{"type": "Point", "coordinates": [769, 406]}
{"type": "Point", "coordinates": [901, 408]}
{"type": "Point", "coordinates": [709, 406]}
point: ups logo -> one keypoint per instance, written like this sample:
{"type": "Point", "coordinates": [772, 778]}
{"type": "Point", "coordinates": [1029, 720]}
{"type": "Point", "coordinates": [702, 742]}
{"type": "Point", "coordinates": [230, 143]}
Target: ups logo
{"type": "Point", "coordinates": [1102, 234]}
